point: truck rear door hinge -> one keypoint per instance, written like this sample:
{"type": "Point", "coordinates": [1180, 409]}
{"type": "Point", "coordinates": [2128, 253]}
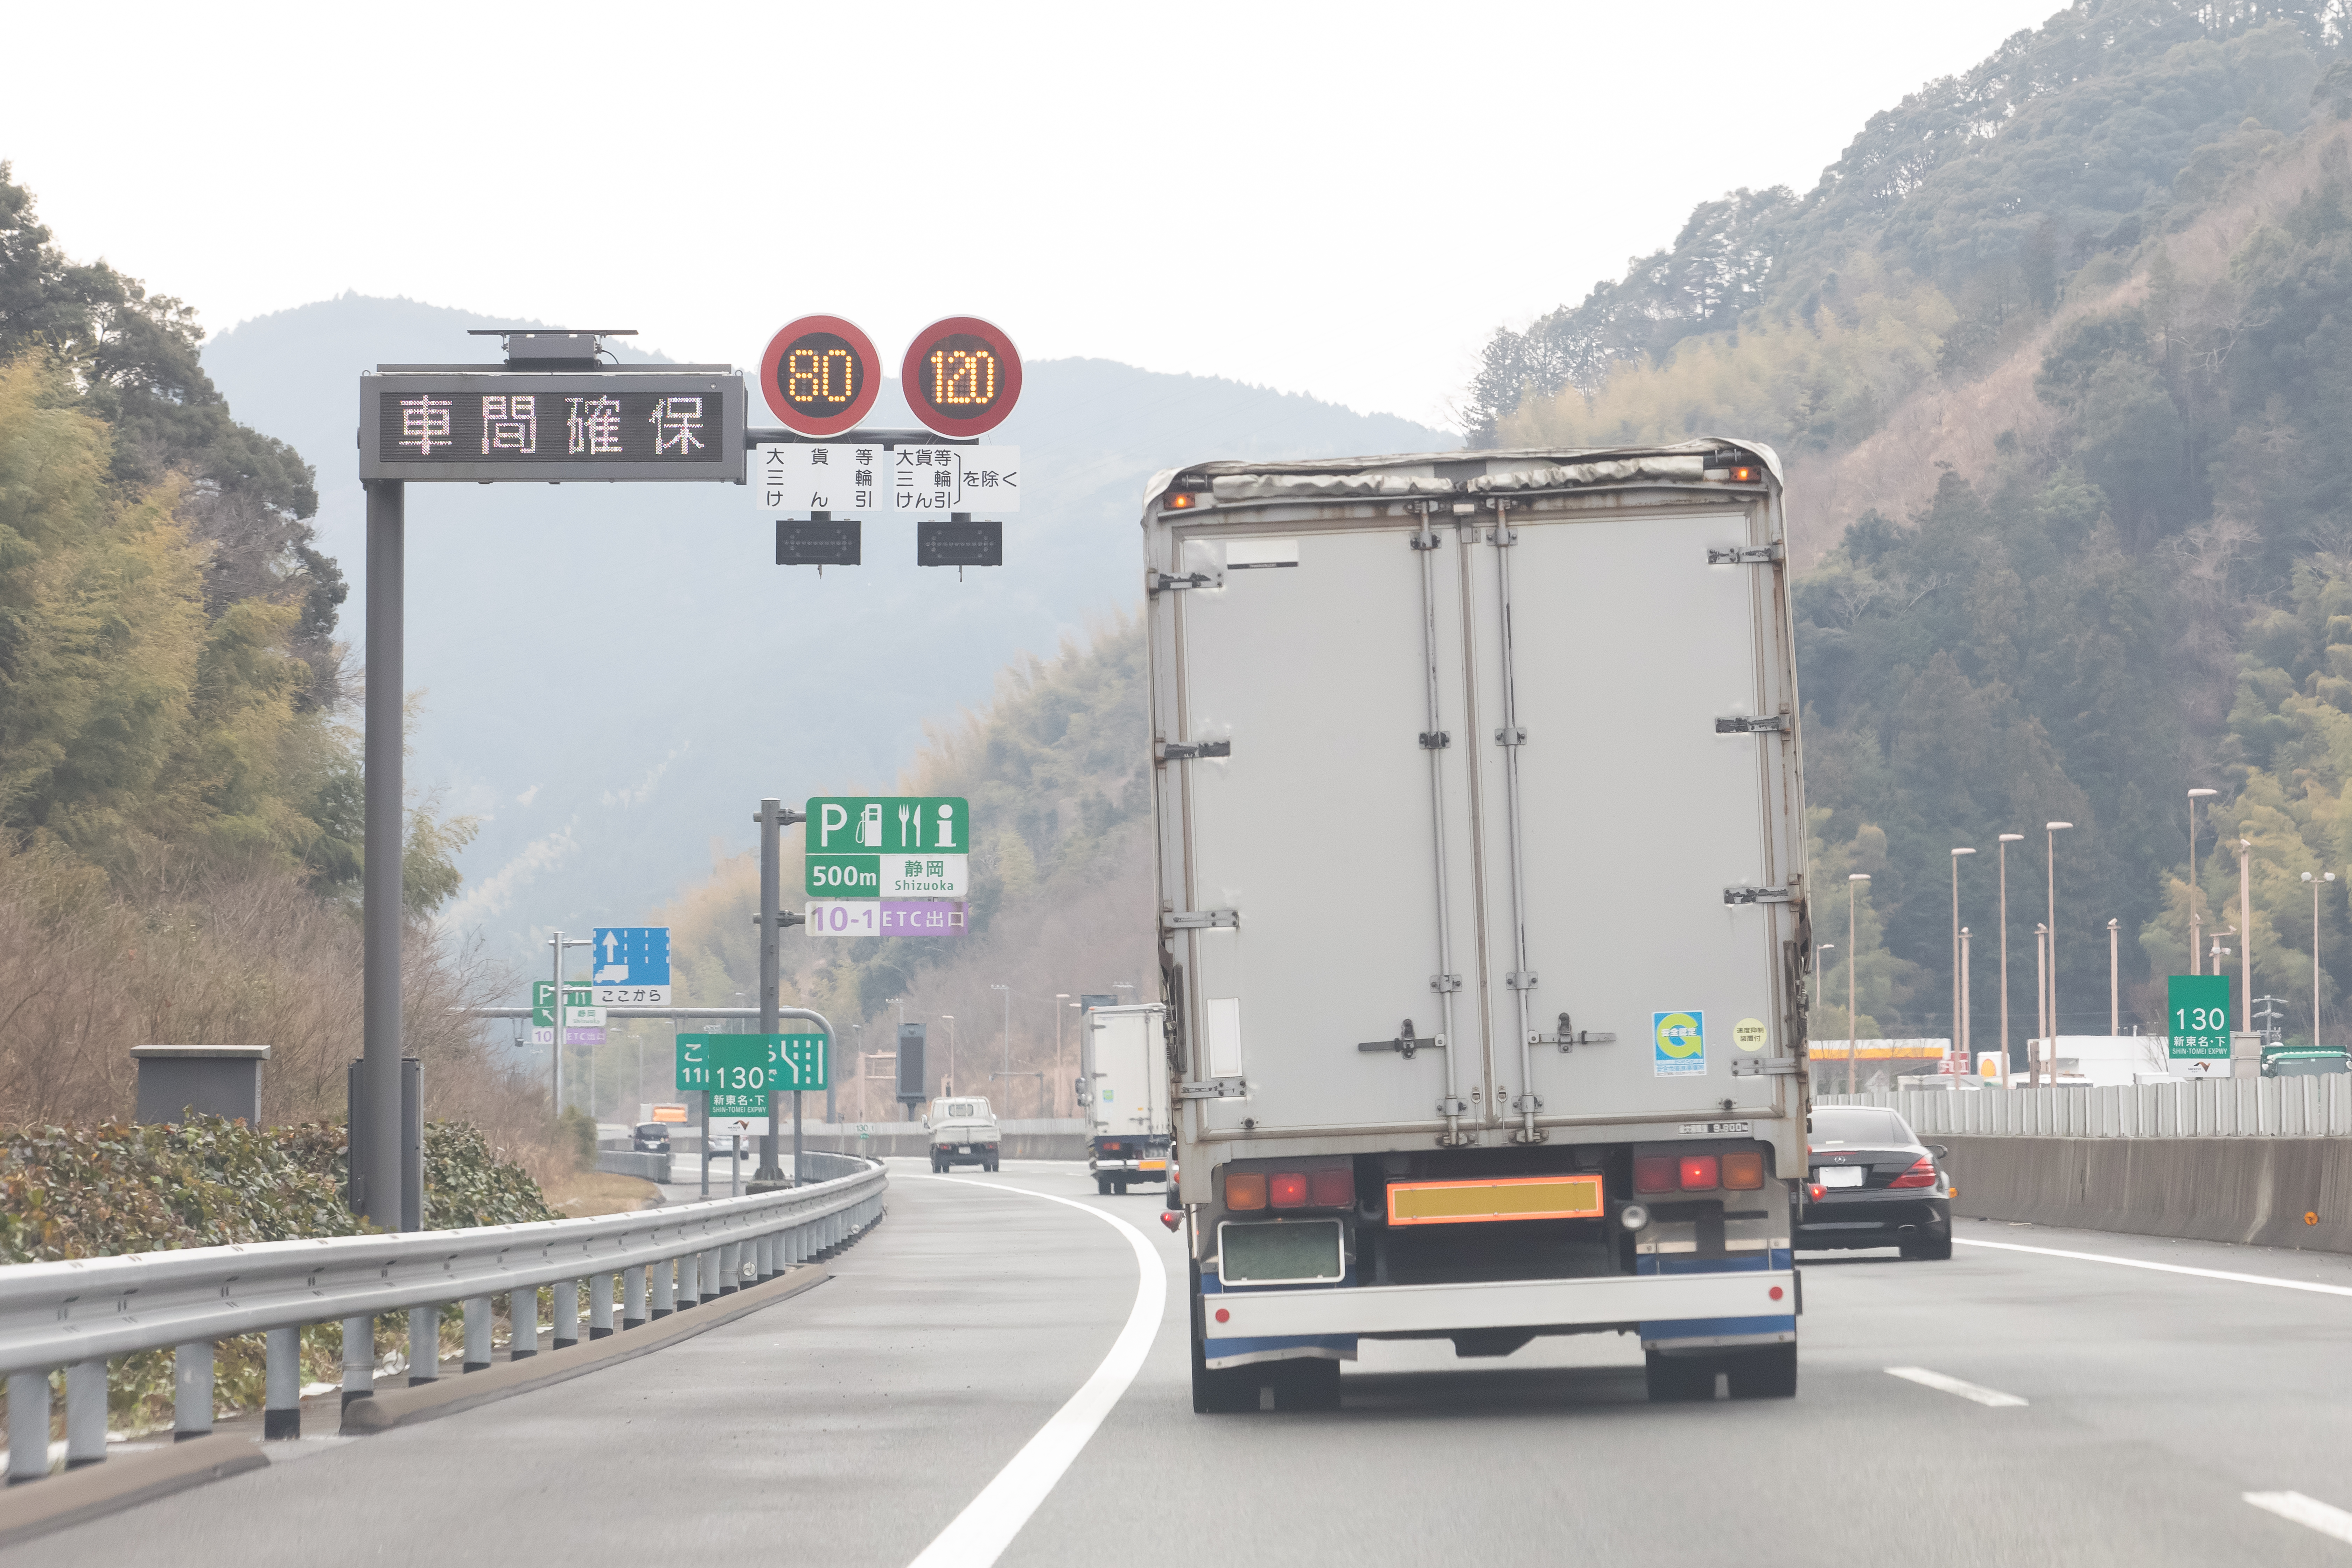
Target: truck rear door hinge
{"type": "Point", "coordinates": [1162, 582]}
{"type": "Point", "coordinates": [1215, 1088]}
{"type": "Point", "coordinates": [1571, 1036]}
{"type": "Point", "coordinates": [1189, 751]}
{"type": "Point", "coordinates": [1775, 1066]}
{"type": "Point", "coordinates": [1743, 724]}
{"type": "Point", "coordinates": [1198, 920]}
{"type": "Point", "coordinates": [1406, 1042]}
{"type": "Point", "coordinates": [1760, 895]}
{"type": "Point", "coordinates": [1436, 740]}
{"type": "Point", "coordinates": [1744, 555]}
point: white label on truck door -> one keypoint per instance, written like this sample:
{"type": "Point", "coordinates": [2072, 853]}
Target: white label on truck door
{"type": "Point", "coordinates": [1249, 555]}
{"type": "Point", "coordinates": [1224, 1021]}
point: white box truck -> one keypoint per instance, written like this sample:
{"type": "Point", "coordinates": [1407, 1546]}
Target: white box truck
{"type": "Point", "coordinates": [1123, 1087]}
{"type": "Point", "coordinates": [1482, 917]}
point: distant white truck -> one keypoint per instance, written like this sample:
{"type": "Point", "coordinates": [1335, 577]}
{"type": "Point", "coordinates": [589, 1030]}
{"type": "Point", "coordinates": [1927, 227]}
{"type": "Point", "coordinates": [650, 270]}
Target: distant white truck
{"type": "Point", "coordinates": [1123, 1089]}
{"type": "Point", "coordinates": [1481, 908]}
{"type": "Point", "coordinates": [963, 1132]}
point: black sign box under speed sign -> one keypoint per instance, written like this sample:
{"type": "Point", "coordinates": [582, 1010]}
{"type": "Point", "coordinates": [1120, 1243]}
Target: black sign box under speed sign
{"type": "Point", "coordinates": [485, 427]}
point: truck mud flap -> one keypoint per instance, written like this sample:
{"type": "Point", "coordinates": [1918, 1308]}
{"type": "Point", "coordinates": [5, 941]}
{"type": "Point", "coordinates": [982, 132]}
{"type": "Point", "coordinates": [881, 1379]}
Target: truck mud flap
{"type": "Point", "coordinates": [1706, 1333]}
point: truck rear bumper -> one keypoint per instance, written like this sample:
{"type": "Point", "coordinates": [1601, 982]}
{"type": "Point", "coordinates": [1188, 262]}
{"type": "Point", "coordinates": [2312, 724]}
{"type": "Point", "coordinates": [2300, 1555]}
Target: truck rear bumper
{"type": "Point", "coordinates": [1751, 1306]}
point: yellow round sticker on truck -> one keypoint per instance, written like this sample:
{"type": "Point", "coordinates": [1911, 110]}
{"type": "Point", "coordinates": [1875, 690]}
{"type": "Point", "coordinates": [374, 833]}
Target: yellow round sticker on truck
{"type": "Point", "coordinates": [1748, 1034]}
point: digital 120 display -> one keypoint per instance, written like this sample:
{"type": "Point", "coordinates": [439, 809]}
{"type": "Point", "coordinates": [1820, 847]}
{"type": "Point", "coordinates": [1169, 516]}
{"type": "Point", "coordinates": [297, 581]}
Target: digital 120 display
{"type": "Point", "coordinates": [961, 376]}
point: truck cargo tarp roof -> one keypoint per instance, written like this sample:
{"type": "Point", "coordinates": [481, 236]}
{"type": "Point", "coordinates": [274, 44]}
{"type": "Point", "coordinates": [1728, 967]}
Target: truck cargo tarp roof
{"type": "Point", "coordinates": [1520, 469]}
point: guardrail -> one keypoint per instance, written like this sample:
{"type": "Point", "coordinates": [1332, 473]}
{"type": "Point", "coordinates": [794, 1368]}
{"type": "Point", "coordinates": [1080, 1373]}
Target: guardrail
{"type": "Point", "coordinates": [2314, 1107]}
{"type": "Point", "coordinates": [79, 1314]}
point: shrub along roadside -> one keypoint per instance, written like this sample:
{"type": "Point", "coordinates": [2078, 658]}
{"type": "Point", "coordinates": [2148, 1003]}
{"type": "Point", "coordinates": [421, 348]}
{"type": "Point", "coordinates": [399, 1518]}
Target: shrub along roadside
{"type": "Point", "coordinates": [103, 1191]}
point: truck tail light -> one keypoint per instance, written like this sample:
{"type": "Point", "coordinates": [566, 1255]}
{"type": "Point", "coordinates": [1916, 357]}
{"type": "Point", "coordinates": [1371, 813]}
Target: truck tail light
{"type": "Point", "coordinates": [1332, 1189]}
{"type": "Point", "coordinates": [1745, 473]}
{"type": "Point", "coordinates": [1245, 1189]}
{"type": "Point", "coordinates": [1287, 1189]}
{"type": "Point", "coordinates": [1654, 1173]}
{"type": "Point", "coordinates": [1182, 501]}
{"type": "Point", "coordinates": [1743, 1173]}
{"type": "Point", "coordinates": [1921, 1174]}
{"type": "Point", "coordinates": [1700, 1172]}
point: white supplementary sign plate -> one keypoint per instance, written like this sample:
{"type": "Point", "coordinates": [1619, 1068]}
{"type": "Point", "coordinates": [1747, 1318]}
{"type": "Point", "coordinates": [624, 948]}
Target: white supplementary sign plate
{"type": "Point", "coordinates": [923, 481]}
{"type": "Point", "coordinates": [1718, 1129]}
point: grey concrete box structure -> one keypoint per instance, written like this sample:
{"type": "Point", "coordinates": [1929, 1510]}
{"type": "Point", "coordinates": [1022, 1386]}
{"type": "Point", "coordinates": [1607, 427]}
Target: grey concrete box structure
{"type": "Point", "coordinates": [213, 1080]}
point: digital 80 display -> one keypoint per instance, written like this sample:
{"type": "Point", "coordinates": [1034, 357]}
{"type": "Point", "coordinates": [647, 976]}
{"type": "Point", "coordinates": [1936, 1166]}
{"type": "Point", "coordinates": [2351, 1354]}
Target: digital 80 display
{"type": "Point", "coordinates": [961, 376]}
{"type": "Point", "coordinates": [820, 376]}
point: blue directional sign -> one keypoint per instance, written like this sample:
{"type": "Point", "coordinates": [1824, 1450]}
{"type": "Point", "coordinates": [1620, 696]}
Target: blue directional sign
{"type": "Point", "coordinates": [631, 965]}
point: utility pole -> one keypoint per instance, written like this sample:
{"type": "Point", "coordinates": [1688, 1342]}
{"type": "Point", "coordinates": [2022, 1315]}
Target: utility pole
{"type": "Point", "coordinates": [2195, 925]}
{"type": "Point", "coordinates": [1957, 988]}
{"type": "Point", "coordinates": [1968, 1056]}
{"type": "Point", "coordinates": [2008, 1060]}
{"type": "Point", "coordinates": [1819, 949]}
{"type": "Point", "coordinates": [2115, 981]}
{"type": "Point", "coordinates": [1852, 951]}
{"type": "Point", "coordinates": [2245, 939]}
{"type": "Point", "coordinates": [2317, 880]}
{"type": "Point", "coordinates": [2042, 984]}
{"type": "Point", "coordinates": [555, 1013]}
{"type": "Point", "coordinates": [383, 812]}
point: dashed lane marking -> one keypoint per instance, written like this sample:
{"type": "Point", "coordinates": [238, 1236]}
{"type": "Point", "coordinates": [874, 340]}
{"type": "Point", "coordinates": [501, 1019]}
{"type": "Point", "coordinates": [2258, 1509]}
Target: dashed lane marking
{"type": "Point", "coordinates": [2309, 1512]}
{"type": "Point", "coordinates": [1976, 1391]}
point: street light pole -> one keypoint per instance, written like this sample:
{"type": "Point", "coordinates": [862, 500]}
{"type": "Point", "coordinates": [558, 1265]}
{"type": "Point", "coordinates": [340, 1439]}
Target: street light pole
{"type": "Point", "coordinates": [2051, 830]}
{"type": "Point", "coordinates": [1853, 1028]}
{"type": "Point", "coordinates": [1968, 1056]}
{"type": "Point", "coordinates": [2115, 982]}
{"type": "Point", "coordinates": [2315, 882]}
{"type": "Point", "coordinates": [2006, 1061]}
{"type": "Point", "coordinates": [2042, 984]}
{"type": "Point", "coordinates": [2196, 920]}
{"type": "Point", "coordinates": [949, 1019]}
{"type": "Point", "coordinates": [1059, 999]}
{"type": "Point", "coordinates": [1958, 1003]}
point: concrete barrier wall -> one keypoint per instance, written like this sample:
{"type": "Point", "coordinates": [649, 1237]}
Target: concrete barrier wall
{"type": "Point", "coordinates": [2250, 1190]}
{"type": "Point", "coordinates": [915, 1143]}
{"type": "Point", "coordinates": [626, 1163]}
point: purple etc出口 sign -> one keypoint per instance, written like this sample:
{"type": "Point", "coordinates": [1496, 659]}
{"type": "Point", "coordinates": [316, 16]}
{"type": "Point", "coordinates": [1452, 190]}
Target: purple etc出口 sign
{"type": "Point", "coordinates": [885, 917]}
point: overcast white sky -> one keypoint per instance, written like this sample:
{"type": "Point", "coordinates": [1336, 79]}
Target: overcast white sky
{"type": "Point", "coordinates": [1337, 199]}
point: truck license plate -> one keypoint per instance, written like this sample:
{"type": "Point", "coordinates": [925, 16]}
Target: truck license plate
{"type": "Point", "coordinates": [1840, 1175]}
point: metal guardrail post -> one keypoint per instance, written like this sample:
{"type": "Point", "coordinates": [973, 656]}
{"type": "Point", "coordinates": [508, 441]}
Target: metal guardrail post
{"type": "Point", "coordinates": [424, 1346]}
{"type": "Point", "coordinates": [600, 1306]}
{"type": "Point", "coordinates": [665, 1286]}
{"type": "Point", "coordinates": [714, 1272]}
{"type": "Point", "coordinates": [281, 1401]}
{"type": "Point", "coordinates": [478, 1333]}
{"type": "Point", "coordinates": [359, 1359]}
{"type": "Point", "coordinates": [28, 1426]}
{"type": "Point", "coordinates": [567, 1313]}
{"type": "Point", "coordinates": [191, 1391]}
{"type": "Point", "coordinates": [730, 1268]}
{"type": "Point", "coordinates": [633, 1298]}
{"type": "Point", "coordinates": [84, 1413]}
{"type": "Point", "coordinates": [523, 1323]}
{"type": "Point", "coordinates": [689, 1279]}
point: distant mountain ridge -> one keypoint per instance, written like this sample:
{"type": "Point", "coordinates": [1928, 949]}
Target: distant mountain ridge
{"type": "Point", "coordinates": [616, 675]}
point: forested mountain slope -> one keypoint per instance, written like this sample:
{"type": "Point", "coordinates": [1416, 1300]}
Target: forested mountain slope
{"type": "Point", "coordinates": [2061, 355]}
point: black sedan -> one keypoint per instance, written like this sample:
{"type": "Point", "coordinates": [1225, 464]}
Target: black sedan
{"type": "Point", "coordinates": [651, 1138]}
{"type": "Point", "coordinates": [1871, 1183]}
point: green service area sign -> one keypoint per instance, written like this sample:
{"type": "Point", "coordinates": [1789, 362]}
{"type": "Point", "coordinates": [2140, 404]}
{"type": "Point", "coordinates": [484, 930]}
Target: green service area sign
{"type": "Point", "coordinates": [740, 1071]}
{"type": "Point", "coordinates": [889, 846]}
{"type": "Point", "coordinates": [2198, 1017]}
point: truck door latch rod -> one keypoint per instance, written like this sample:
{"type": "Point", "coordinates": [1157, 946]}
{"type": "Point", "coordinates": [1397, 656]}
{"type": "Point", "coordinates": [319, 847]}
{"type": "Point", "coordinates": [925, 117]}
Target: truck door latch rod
{"type": "Point", "coordinates": [1571, 1036]}
{"type": "Point", "coordinates": [1406, 1042]}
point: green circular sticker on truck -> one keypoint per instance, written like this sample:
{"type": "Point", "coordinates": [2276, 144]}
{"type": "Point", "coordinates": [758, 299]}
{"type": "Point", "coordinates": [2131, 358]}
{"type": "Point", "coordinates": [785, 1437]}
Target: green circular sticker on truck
{"type": "Point", "coordinates": [1748, 1034]}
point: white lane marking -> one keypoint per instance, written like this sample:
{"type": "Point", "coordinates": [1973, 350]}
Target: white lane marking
{"type": "Point", "coordinates": [2165, 1268]}
{"type": "Point", "coordinates": [1976, 1391]}
{"type": "Point", "coordinates": [979, 1535]}
{"type": "Point", "coordinates": [2307, 1511]}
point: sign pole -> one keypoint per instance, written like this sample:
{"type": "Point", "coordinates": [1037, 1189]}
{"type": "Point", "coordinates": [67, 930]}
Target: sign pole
{"type": "Point", "coordinates": [555, 1013]}
{"type": "Point", "coordinates": [379, 892]}
{"type": "Point", "coordinates": [770, 962]}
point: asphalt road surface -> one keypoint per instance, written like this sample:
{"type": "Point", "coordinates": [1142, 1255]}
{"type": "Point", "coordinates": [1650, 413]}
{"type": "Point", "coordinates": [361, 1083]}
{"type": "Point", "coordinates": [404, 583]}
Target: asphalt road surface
{"type": "Point", "coordinates": [932, 1401]}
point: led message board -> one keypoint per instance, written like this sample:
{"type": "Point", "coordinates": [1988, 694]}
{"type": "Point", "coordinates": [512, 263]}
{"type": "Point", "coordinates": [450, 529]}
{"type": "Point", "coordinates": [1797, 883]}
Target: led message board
{"type": "Point", "coordinates": [483, 426]}
{"type": "Point", "coordinates": [961, 376]}
{"type": "Point", "coordinates": [820, 376]}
